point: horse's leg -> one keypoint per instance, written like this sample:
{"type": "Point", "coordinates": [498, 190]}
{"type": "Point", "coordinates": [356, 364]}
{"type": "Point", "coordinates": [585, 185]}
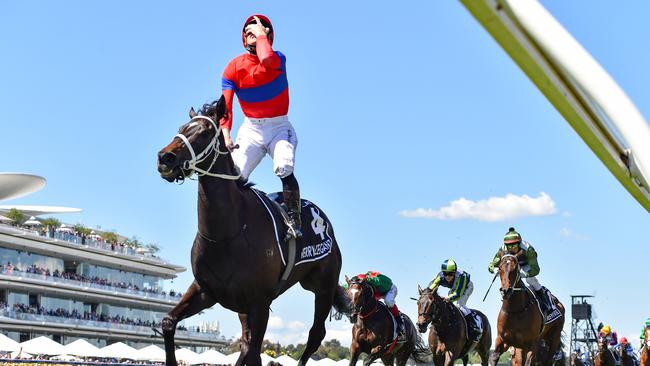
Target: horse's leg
{"type": "Point", "coordinates": [244, 340]}
{"type": "Point", "coordinates": [449, 358]}
{"type": "Point", "coordinates": [258, 318]}
{"type": "Point", "coordinates": [499, 347]}
{"type": "Point", "coordinates": [322, 304]}
{"type": "Point", "coordinates": [193, 301]}
{"type": "Point", "coordinates": [354, 353]}
{"type": "Point", "coordinates": [389, 361]}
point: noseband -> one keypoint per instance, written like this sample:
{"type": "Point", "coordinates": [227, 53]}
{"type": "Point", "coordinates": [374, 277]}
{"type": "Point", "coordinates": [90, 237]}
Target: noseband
{"type": "Point", "coordinates": [212, 148]}
{"type": "Point", "coordinates": [512, 287]}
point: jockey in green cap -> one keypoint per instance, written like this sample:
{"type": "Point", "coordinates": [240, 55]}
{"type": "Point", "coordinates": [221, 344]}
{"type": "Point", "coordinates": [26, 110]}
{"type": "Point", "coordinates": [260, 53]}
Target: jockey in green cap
{"type": "Point", "coordinates": [527, 258]}
{"type": "Point", "coordinates": [460, 287]}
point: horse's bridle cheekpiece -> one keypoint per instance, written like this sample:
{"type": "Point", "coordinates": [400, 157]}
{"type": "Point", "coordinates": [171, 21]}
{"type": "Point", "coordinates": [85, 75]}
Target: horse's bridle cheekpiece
{"type": "Point", "coordinates": [213, 147]}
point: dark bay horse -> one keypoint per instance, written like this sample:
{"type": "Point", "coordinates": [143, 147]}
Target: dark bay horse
{"type": "Point", "coordinates": [645, 352]}
{"type": "Point", "coordinates": [604, 355]}
{"type": "Point", "coordinates": [521, 322]}
{"type": "Point", "coordinates": [626, 359]}
{"type": "Point", "coordinates": [448, 338]}
{"type": "Point", "coordinates": [373, 331]}
{"type": "Point", "coordinates": [235, 256]}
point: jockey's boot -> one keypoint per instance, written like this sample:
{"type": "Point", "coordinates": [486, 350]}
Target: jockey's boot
{"type": "Point", "coordinates": [543, 301]}
{"type": "Point", "coordinates": [292, 201]}
{"type": "Point", "coordinates": [474, 329]}
{"type": "Point", "coordinates": [398, 319]}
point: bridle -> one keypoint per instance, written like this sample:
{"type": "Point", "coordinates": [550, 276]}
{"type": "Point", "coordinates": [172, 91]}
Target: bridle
{"type": "Point", "coordinates": [430, 316]}
{"type": "Point", "coordinates": [359, 311]}
{"type": "Point", "coordinates": [506, 292]}
{"type": "Point", "coordinates": [212, 148]}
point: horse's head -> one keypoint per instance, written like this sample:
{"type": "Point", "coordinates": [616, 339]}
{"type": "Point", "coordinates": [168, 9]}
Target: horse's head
{"type": "Point", "coordinates": [361, 296]}
{"type": "Point", "coordinates": [430, 307]}
{"type": "Point", "coordinates": [509, 275]}
{"type": "Point", "coordinates": [603, 344]}
{"type": "Point", "coordinates": [646, 338]}
{"type": "Point", "coordinates": [196, 147]}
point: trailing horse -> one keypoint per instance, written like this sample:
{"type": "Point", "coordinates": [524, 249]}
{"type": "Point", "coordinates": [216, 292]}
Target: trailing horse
{"type": "Point", "coordinates": [521, 323]}
{"type": "Point", "coordinates": [448, 335]}
{"type": "Point", "coordinates": [238, 256]}
{"type": "Point", "coordinates": [645, 352]}
{"type": "Point", "coordinates": [604, 355]}
{"type": "Point", "coordinates": [374, 330]}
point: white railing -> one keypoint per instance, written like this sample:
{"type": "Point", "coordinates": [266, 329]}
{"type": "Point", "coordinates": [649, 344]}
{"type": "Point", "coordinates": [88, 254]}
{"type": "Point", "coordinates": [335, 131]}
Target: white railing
{"type": "Point", "coordinates": [49, 280]}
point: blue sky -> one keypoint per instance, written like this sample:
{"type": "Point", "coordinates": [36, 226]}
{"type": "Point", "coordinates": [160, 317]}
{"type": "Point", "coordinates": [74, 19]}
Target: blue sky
{"type": "Point", "coordinates": [396, 108]}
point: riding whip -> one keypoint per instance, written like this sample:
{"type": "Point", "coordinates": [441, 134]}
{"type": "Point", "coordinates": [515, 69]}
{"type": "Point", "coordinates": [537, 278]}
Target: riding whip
{"type": "Point", "coordinates": [496, 273]}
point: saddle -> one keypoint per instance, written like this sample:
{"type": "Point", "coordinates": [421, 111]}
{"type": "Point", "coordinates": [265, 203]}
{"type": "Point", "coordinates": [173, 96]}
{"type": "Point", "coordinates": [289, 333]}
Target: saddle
{"type": "Point", "coordinates": [316, 242]}
{"type": "Point", "coordinates": [555, 313]}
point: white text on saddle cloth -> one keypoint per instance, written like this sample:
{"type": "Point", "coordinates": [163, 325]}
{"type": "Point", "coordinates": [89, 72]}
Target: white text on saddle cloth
{"type": "Point", "coordinates": [320, 249]}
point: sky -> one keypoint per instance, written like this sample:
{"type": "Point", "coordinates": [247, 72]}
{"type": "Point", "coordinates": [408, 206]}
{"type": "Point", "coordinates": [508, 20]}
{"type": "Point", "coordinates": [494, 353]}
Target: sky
{"type": "Point", "coordinates": [418, 136]}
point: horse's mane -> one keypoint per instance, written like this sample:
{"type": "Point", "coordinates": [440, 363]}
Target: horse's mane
{"type": "Point", "coordinates": [210, 110]}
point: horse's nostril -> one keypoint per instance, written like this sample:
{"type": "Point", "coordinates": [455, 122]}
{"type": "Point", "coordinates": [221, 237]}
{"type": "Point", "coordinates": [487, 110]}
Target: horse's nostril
{"type": "Point", "coordinates": [167, 158]}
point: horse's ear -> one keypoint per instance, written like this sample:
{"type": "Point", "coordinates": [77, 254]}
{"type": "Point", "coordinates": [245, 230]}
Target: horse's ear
{"type": "Point", "coordinates": [193, 113]}
{"type": "Point", "coordinates": [347, 280]}
{"type": "Point", "coordinates": [221, 107]}
{"type": "Point", "coordinates": [420, 291]}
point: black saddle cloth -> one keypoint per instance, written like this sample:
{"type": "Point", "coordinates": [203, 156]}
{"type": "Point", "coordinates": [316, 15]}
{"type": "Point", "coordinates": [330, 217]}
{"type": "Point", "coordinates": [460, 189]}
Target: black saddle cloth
{"type": "Point", "coordinates": [316, 242]}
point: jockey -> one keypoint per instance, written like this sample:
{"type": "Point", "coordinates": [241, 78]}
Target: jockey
{"type": "Point", "coordinates": [582, 356]}
{"type": "Point", "coordinates": [642, 335]}
{"type": "Point", "coordinates": [627, 347]}
{"type": "Point", "coordinates": [384, 288]}
{"type": "Point", "coordinates": [606, 332]}
{"type": "Point", "coordinates": [259, 78]}
{"type": "Point", "coordinates": [460, 287]}
{"type": "Point", "coordinates": [527, 258]}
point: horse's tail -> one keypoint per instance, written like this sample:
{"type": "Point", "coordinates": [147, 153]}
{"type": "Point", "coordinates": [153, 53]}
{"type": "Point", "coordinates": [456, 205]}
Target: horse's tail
{"type": "Point", "coordinates": [421, 353]}
{"type": "Point", "coordinates": [342, 304]}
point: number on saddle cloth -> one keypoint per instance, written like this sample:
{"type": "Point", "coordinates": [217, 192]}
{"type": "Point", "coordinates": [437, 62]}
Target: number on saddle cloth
{"type": "Point", "coordinates": [316, 243]}
{"type": "Point", "coordinates": [555, 312]}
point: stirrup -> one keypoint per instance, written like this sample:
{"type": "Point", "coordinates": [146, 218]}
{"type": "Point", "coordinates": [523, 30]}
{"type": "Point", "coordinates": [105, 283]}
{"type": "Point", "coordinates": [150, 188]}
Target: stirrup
{"type": "Point", "coordinates": [292, 232]}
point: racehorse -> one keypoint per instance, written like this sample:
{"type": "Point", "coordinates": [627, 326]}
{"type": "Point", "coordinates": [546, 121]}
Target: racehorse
{"type": "Point", "coordinates": [521, 323]}
{"type": "Point", "coordinates": [604, 355]}
{"type": "Point", "coordinates": [374, 331]}
{"type": "Point", "coordinates": [576, 360]}
{"type": "Point", "coordinates": [645, 352]}
{"type": "Point", "coordinates": [448, 338]}
{"type": "Point", "coordinates": [625, 358]}
{"type": "Point", "coordinates": [236, 260]}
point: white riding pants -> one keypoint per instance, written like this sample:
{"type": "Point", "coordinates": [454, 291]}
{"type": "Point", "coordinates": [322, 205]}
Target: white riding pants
{"type": "Point", "coordinates": [389, 299]}
{"type": "Point", "coordinates": [533, 283]}
{"type": "Point", "coordinates": [260, 136]}
{"type": "Point", "coordinates": [462, 301]}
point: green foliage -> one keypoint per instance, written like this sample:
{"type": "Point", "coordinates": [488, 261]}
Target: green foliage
{"type": "Point", "coordinates": [80, 229]}
{"type": "Point", "coordinates": [51, 222]}
{"type": "Point", "coordinates": [133, 242]}
{"type": "Point", "coordinates": [109, 237]}
{"type": "Point", "coordinates": [153, 248]}
{"type": "Point", "coordinates": [16, 215]}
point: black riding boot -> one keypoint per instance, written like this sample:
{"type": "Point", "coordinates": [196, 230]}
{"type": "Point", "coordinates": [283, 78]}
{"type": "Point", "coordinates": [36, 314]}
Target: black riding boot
{"type": "Point", "coordinates": [291, 195]}
{"type": "Point", "coordinates": [543, 301]}
{"type": "Point", "coordinates": [474, 330]}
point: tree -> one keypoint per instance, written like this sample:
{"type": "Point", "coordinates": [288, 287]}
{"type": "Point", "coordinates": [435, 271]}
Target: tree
{"type": "Point", "coordinates": [82, 230]}
{"type": "Point", "coordinates": [109, 237]}
{"type": "Point", "coordinates": [16, 215]}
{"type": "Point", "coordinates": [153, 248]}
{"type": "Point", "coordinates": [51, 222]}
{"type": "Point", "coordinates": [133, 242]}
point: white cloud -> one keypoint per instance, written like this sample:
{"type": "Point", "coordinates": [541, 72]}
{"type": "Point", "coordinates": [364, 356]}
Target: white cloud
{"type": "Point", "coordinates": [491, 209]}
{"type": "Point", "coordinates": [296, 325]}
{"type": "Point", "coordinates": [569, 234]}
{"type": "Point", "coordinates": [275, 322]}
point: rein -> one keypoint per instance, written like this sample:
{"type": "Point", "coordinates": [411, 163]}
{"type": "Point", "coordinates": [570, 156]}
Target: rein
{"type": "Point", "coordinates": [212, 148]}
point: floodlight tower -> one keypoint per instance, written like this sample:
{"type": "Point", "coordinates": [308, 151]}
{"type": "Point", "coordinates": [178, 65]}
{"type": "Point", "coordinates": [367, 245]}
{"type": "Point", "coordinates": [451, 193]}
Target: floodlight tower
{"type": "Point", "coordinates": [583, 332]}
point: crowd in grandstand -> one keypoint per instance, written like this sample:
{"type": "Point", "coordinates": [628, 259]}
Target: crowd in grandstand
{"type": "Point", "coordinates": [10, 269]}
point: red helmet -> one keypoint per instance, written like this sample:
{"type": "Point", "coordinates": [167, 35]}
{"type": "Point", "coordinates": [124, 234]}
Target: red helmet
{"type": "Point", "coordinates": [624, 340]}
{"type": "Point", "coordinates": [265, 22]}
